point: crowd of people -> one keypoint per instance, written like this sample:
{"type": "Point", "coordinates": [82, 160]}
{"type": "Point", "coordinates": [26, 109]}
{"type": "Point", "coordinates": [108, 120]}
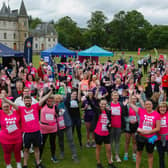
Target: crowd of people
{"type": "Point", "coordinates": [111, 98]}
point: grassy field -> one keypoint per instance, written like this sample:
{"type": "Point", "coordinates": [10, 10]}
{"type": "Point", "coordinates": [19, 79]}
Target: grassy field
{"type": "Point", "coordinates": [87, 156]}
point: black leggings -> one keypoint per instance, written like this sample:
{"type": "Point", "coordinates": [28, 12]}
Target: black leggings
{"type": "Point", "coordinates": [161, 151]}
{"type": "Point", "coordinates": [52, 143]}
{"type": "Point", "coordinates": [76, 122]}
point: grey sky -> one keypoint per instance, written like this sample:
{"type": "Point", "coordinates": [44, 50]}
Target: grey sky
{"type": "Point", "coordinates": [154, 11]}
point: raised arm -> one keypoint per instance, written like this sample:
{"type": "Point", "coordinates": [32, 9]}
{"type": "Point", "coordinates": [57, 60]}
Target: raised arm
{"type": "Point", "coordinates": [9, 102]}
{"type": "Point", "coordinates": [133, 106]}
{"type": "Point", "coordinates": [44, 98]}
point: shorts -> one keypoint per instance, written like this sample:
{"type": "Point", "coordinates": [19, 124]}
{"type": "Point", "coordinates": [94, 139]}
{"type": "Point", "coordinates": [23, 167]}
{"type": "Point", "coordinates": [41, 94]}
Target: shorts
{"type": "Point", "coordinates": [143, 141]}
{"type": "Point", "coordinates": [88, 117]}
{"type": "Point", "coordinates": [34, 138]}
{"type": "Point", "coordinates": [132, 128]}
{"type": "Point", "coordinates": [102, 139]}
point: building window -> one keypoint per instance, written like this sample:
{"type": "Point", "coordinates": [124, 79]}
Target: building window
{"type": "Point", "coordinates": [4, 23]}
{"type": "Point", "coordinates": [25, 35]}
{"type": "Point", "coordinates": [49, 39]}
{"type": "Point", "coordinates": [53, 39]}
{"type": "Point", "coordinates": [36, 45]}
{"type": "Point", "coordinates": [5, 35]}
{"type": "Point", "coordinates": [14, 36]}
{"type": "Point", "coordinates": [14, 46]}
{"type": "Point", "coordinates": [25, 23]}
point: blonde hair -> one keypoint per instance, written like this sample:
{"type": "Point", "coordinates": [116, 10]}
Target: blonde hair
{"type": "Point", "coordinates": [58, 97]}
{"type": "Point", "coordinates": [162, 104]}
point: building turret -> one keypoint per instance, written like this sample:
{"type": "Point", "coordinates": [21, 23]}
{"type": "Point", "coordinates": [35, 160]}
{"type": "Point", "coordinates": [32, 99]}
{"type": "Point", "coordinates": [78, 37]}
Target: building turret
{"type": "Point", "coordinates": [23, 25]}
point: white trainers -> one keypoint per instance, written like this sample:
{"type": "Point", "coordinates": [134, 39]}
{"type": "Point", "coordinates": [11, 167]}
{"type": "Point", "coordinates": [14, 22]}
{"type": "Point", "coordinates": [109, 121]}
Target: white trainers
{"type": "Point", "coordinates": [118, 159]}
{"type": "Point", "coordinates": [19, 165]}
{"type": "Point", "coordinates": [9, 166]}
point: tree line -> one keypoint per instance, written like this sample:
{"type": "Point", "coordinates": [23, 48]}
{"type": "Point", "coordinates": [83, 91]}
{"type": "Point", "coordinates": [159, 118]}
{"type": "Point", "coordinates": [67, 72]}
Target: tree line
{"type": "Point", "coordinates": [126, 31]}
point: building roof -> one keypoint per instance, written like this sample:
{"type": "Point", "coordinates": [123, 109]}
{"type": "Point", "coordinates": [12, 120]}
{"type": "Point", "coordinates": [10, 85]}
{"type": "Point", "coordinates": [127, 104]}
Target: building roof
{"type": "Point", "coordinates": [22, 11]}
{"type": "Point", "coordinates": [6, 12]}
{"type": "Point", "coordinates": [44, 29]}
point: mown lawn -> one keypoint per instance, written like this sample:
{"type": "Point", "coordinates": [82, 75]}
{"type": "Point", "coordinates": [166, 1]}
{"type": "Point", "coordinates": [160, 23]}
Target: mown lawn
{"type": "Point", "coordinates": [87, 156]}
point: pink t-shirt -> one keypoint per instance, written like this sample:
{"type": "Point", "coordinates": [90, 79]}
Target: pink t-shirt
{"type": "Point", "coordinates": [115, 115]}
{"type": "Point", "coordinates": [101, 127]}
{"type": "Point", "coordinates": [148, 120]}
{"type": "Point", "coordinates": [163, 125]}
{"type": "Point", "coordinates": [30, 118]}
{"type": "Point", "coordinates": [48, 120]}
{"type": "Point", "coordinates": [132, 115]}
{"type": "Point", "coordinates": [10, 128]}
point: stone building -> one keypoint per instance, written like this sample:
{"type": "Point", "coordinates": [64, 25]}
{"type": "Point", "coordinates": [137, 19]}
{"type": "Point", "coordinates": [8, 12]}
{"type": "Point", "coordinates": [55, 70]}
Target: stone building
{"type": "Point", "coordinates": [14, 30]}
{"type": "Point", "coordinates": [44, 36]}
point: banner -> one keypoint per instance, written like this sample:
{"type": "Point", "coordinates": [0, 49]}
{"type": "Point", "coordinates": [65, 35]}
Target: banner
{"type": "Point", "coordinates": [28, 49]}
{"type": "Point", "coordinates": [139, 51]}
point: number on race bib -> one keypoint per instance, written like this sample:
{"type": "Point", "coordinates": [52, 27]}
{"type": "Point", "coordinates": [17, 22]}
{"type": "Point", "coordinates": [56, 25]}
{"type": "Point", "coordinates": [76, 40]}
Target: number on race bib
{"type": "Point", "coordinates": [12, 128]}
{"type": "Point", "coordinates": [104, 127]}
{"type": "Point", "coordinates": [29, 117]}
{"type": "Point", "coordinates": [49, 117]}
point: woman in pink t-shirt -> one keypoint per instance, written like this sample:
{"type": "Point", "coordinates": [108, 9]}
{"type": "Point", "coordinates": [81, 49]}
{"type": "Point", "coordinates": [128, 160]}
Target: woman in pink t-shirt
{"type": "Point", "coordinates": [10, 135]}
{"type": "Point", "coordinates": [102, 125]}
{"type": "Point", "coordinates": [162, 143]}
{"type": "Point", "coordinates": [149, 125]}
{"type": "Point", "coordinates": [116, 111]}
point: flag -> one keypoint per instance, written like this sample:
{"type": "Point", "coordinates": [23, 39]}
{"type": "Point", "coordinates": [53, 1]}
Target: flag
{"type": "Point", "coordinates": [139, 51]}
{"type": "Point", "coordinates": [28, 46]}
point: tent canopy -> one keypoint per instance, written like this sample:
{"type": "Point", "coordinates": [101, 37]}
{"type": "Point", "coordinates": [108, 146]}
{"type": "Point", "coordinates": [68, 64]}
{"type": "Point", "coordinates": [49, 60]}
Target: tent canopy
{"type": "Point", "coordinates": [58, 49]}
{"type": "Point", "coordinates": [8, 52]}
{"type": "Point", "coordinates": [95, 51]}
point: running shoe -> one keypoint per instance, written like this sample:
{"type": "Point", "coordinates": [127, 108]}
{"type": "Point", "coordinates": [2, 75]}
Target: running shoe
{"type": "Point", "coordinates": [54, 159]}
{"type": "Point", "coordinates": [125, 157]}
{"type": "Point", "coordinates": [88, 145]}
{"type": "Point", "coordinates": [99, 165]}
{"type": "Point", "coordinates": [40, 166]}
{"type": "Point", "coordinates": [19, 165]}
{"type": "Point", "coordinates": [118, 159]}
{"type": "Point", "coordinates": [134, 157]}
{"type": "Point", "coordinates": [9, 166]}
{"type": "Point", "coordinates": [75, 158]}
{"type": "Point", "coordinates": [61, 155]}
{"type": "Point", "coordinates": [93, 145]}
{"type": "Point", "coordinates": [111, 165]}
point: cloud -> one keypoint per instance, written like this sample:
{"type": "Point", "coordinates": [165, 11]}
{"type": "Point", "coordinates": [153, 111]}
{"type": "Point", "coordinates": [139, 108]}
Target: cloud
{"type": "Point", "coordinates": [80, 10]}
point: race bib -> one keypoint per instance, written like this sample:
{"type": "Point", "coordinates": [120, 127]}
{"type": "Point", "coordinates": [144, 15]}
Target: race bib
{"type": "Point", "coordinates": [132, 118]}
{"type": "Point", "coordinates": [49, 117]}
{"type": "Point", "coordinates": [99, 95]}
{"type": "Point", "coordinates": [12, 128]}
{"type": "Point", "coordinates": [89, 107]}
{"type": "Point", "coordinates": [104, 127]}
{"type": "Point", "coordinates": [163, 123]}
{"type": "Point", "coordinates": [61, 122]}
{"type": "Point", "coordinates": [29, 117]}
{"type": "Point", "coordinates": [115, 111]}
{"type": "Point", "coordinates": [147, 128]}
{"type": "Point", "coordinates": [73, 104]}
{"type": "Point", "coordinates": [120, 91]}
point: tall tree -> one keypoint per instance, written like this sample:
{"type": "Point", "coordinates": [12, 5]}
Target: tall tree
{"type": "Point", "coordinates": [158, 37]}
{"type": "Point", "coordinates": [68, 32]}
{"type": "Point", "coordinates": [96, 28]}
